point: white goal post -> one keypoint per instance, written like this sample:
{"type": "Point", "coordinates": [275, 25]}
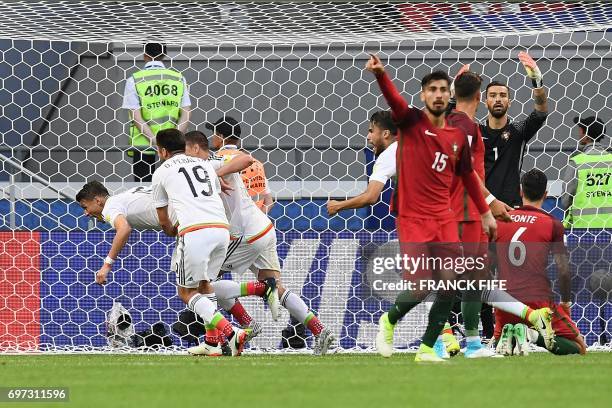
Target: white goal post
{"type": "Point", "coordinates": [292, 73]}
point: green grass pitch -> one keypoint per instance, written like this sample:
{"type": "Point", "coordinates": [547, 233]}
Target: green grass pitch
{"type": "Point", "coordinates": [344, 380]}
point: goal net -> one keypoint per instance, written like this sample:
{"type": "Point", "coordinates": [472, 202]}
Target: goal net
{"type": "Point", "coordinates": [292, 74]}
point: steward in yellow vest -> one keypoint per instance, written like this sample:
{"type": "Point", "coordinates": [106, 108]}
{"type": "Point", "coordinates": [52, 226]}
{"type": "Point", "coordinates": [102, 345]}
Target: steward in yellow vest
{"type": "Point", "coordinates": [588, 180]}
{"type": "Point", "coordinates": [157, 98]}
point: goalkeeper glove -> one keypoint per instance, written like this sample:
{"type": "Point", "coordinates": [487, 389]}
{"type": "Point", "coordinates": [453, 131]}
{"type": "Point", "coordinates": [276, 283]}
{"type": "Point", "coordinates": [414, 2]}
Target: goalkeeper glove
{"type": "Point", "coordinates": [532, 69]}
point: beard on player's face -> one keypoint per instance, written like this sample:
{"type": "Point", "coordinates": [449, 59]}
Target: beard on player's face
{"type": "Point", "coordinates": [437, 108]}
{"type": "Point", "coordinates": [498, 110]}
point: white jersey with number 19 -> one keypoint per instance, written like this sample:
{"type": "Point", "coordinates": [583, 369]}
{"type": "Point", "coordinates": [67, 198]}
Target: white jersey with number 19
{"type": "Point", "coordinates": [191, 186]}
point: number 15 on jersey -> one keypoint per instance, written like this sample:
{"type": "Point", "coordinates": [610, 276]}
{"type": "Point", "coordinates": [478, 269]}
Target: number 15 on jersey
{"type": "Point", "coordinates": [439, 163]}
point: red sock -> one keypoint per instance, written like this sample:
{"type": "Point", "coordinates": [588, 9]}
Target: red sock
{"type": "Point", "coordinates": [240, 314]}
{"type": "Point", "coordinates": [315, 325]}
{"type": "Point", "coordinates": [225, 327]}
{"type": "Point", "coordinates": [213, 336]}
{"type": "Point", "coordinates": [254, 288]}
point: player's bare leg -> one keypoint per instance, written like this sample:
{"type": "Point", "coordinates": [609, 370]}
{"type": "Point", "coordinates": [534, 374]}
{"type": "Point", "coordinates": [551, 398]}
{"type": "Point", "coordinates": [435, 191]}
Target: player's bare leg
{"type": "Point", "coordinates": [202, 301]}
{"type": "Point", "coordinates": [297, 309]}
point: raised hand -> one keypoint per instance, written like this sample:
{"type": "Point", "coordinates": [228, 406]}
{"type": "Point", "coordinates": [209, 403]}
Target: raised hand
{"type": "Point", "coordinates": [374, 65]}
{"type": "Point", "coordinates": [532, 69]}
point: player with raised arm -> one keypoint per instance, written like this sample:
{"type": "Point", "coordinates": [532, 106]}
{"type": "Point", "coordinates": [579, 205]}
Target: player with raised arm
{"type": "Point", "coordinates": [466, 90]}
{"type": "Point", "coordinates": [191, 185]}
{"type": "Point", "coordinates": [254, 247]}
{"type": "Point", "coordinates": [523, 246]}
{"type": "Point", "coordinates": [506, 140]}
{"type": "Point", "coordinates": [382, 132]}
{"type": "Point", "coordinates": [430, 154]}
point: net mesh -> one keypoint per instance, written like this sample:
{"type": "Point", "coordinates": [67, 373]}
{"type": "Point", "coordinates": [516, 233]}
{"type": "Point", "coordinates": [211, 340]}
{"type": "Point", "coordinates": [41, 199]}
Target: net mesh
{"type": "Point", "coordinates": [292, 74]}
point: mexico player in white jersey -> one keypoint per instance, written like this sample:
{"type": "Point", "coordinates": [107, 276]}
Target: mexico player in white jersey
{"type": "Point", "coordinates": [191, 185]}
{"type": "Point", "coordinates": [135, 209]}
{"type": "Point", "coordinates": [131, 209]}
{"type": "Point", "coordinates": [254, 247]}
{"type": "Point", "coordinates": [381, 136]}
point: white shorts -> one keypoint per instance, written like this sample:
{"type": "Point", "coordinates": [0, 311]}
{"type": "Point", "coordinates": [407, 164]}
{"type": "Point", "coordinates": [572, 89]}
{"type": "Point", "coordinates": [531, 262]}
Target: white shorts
{"type": "Point", "coordinates": [198, 256]}
{"type": "Point", "coordinates": [260, 254]}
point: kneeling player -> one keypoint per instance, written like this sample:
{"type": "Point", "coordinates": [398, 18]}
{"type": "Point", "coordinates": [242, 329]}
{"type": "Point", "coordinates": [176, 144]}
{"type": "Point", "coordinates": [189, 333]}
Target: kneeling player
{"type": "Point", "coordinates": [522, 249]}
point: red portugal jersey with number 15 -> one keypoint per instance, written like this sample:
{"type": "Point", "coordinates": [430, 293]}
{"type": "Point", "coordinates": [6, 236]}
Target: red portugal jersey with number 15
{"type": "Point", "coordinates": [428, 159]}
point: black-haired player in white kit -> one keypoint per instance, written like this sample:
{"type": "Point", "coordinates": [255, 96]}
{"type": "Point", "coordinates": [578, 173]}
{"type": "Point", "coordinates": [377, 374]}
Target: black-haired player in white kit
{"type": "Point", "coordinates": [382, 132]}
{"type": "Point", "coordinates": [254, 247]}
{"type": "Point", "coordinates": [134, 209]}
{"type": "Point", "coordinates": [191, 185]}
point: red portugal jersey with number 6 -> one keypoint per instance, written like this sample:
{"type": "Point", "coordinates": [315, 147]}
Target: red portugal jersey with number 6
{"type": "Point", "coordinates": [523, 248]}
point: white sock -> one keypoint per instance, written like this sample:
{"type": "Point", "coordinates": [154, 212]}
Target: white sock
{"type": "Point", "coordinates": [226, 289]}
{"type": "Point", "coordinates": [226, 304]}
{"type": "Point", "coordinates": [295, 305]}
{"type": "Point", "coordinates": [204, 306]}
{"type": "Point", "coordinates": [501, 300]}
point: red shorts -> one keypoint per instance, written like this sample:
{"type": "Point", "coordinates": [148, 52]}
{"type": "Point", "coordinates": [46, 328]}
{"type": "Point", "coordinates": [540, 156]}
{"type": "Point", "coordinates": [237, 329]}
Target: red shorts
{"type": "Point", "coordinates": [427, 239]}
{"type": "Point", "coordinates": [471, 231]}
{"type": "Point", "coordinates": [562, 323]}
{"type": "Point", "coordinates": [411, 229]}
{"type": "Point", "coordinates": [474, 241]}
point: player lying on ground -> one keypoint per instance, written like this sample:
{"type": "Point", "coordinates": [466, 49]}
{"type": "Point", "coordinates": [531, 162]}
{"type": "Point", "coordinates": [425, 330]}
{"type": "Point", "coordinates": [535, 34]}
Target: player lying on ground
{"type": "Point", "coordinates": [253, 247]}
{"type": "Point", "coordinates": [523, 246]}
{"type": "Point", "coordinates": [430, 154]}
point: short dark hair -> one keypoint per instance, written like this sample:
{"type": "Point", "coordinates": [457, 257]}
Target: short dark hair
{"type": "Point", "coordinates": [592, 126]}
{"type": "Point", "coordinates": [197, 137]}
{"type": "Point", "coordinates": [384, 120]}
{"type": "Point", "coordinates": [467, 85]}
{"type": "Point", "coordinates": [435, 76]}
{"type": "Point", "coordinates": [171, 139]}
{"type": "Point", "coordinates": [534, 184]}
{"type": "Point", "coordinates": [92, 190]}
{"type": "Point", "coordinates": [497, 83]}
{"type": "Point", "coordinates": [156, 51]}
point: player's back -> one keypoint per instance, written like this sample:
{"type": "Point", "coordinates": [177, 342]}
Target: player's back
{"type": "Point", "coordinates": [523, 248]}
{"type": "Point", "coordinates": [244, 216]}
{"type": "Point", "coordinates": [253, 177]}
{"type": "Point", "coordinates": [137, 206]}
{"type": "Point", "coordinates": [428, 159]}
{"type": "Point", "coordinates": [464, 207]}
{"type": "Point", "coordinates": [192, 188]}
